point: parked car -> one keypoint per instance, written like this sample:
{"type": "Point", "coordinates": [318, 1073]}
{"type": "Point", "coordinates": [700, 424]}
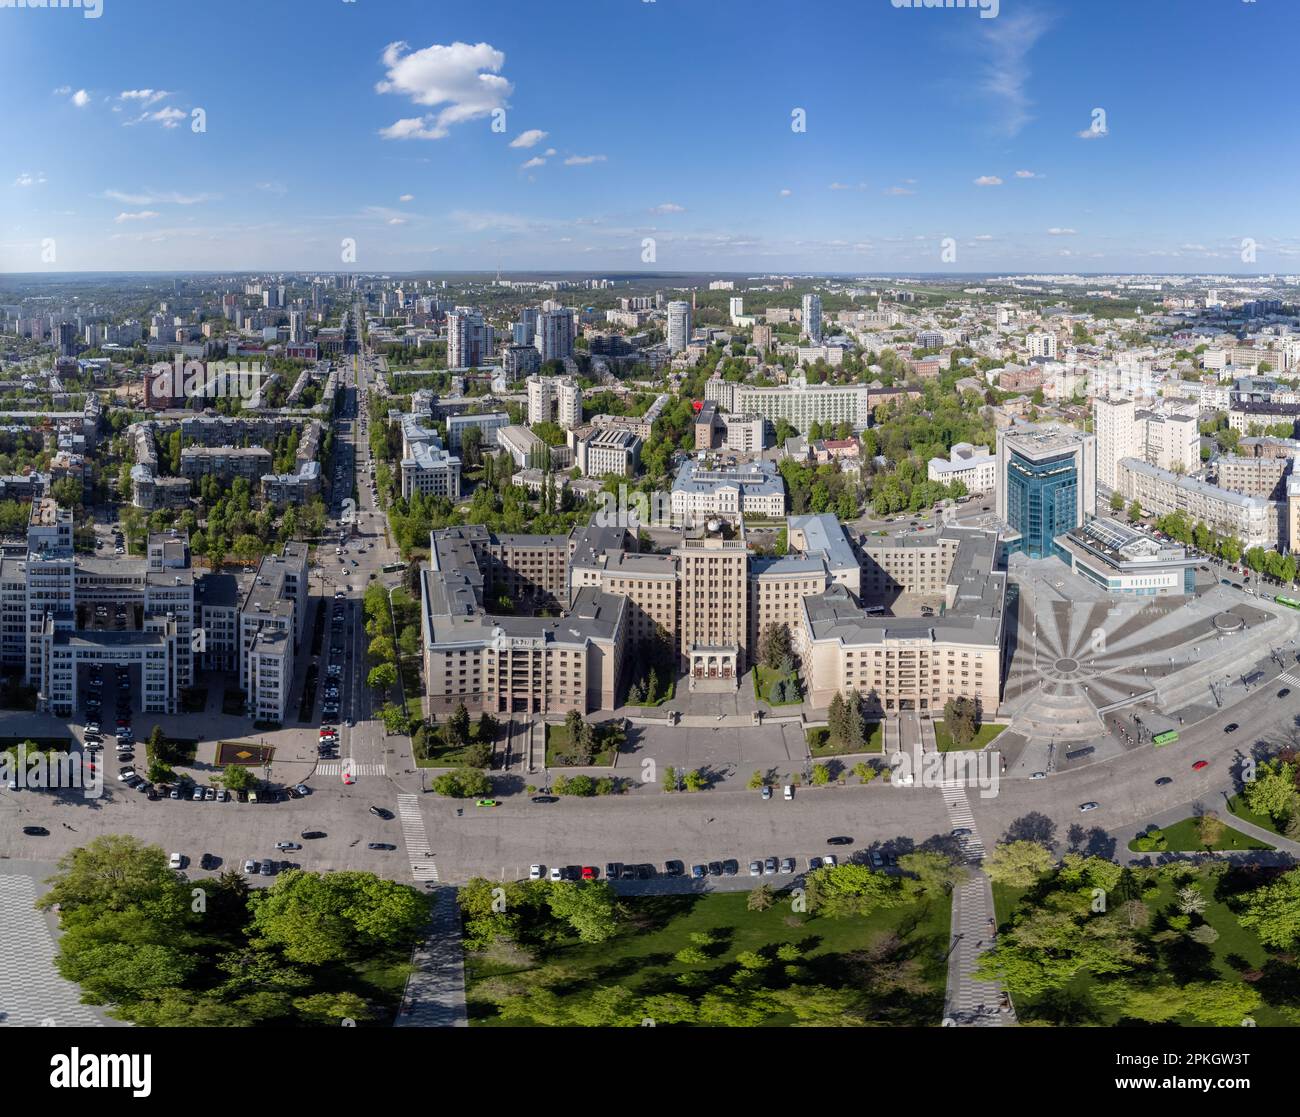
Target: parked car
{"type": "Point", "coordinates": [674, 868]}
{"type": "Point", "coordinates": [769, 865]}
{"type": "Point", "coordinates": [557, 874]}
{"type": "Point", "coordinates": [787, 864]}
{"type": "Point", "coordinates": [310, 834]}
{"type": "Point", "coordinates": [756, 868]}
{"type": "Point", "coordinates": [789, 791]}
{"type": "Point", "coordinates": [535, 872]}
{"type": "Point", "coordinates": [175, 861]}
{"type": "Point", "coordinates": [699, 872]}
{"type": "Point", "coordinates": [250, 867]}
{"type": "Point", "coordinates": [590, 872]}
{"type": "Point", "coordinates": [767, 792]}
{"type": "Point", "coordinates": [288, 845]}
{"type": "Point", "coordinates": [730, 868]}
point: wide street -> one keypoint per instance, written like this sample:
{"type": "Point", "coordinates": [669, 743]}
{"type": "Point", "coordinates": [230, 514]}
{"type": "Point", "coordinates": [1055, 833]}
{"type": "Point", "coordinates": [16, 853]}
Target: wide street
{"type": "Point", "coordinates": [438, 839]}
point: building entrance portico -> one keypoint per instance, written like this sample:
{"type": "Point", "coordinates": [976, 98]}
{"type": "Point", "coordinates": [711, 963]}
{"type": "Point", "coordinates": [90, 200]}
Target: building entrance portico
{"type": "Point", "coordinates": [714, 668]}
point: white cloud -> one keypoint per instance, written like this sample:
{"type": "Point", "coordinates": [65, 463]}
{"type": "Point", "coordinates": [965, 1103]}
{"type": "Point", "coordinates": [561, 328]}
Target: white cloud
{"type": "Point", "coordinates": [465, 79]}
{"type": "Point", "coordinates": [549, 152]}
{"type": "Point", "coordinates": [144, 96]}
{"type": "Point", "coordinates": [530, 138]}
{"type": "Point", "coordinates": [785, 193]}
{"type": "Point", "coordinates": [63, 91]}
{"type": "Point", "coordinates": [984, 236]}
{"type": "Point", "coordinates": [397, 220]}
{"type": "Point", "coordinates": [26, 179]}
{"type": "Point", "coordinates": [407, 198]}
{"type": "Point", "coordinates": [277, 188]}
{"type": "Point", "coordinates": [81, 98]}
{"type": "Point", "coordinates": [535, 161]}
{"type": "Point", "coordinates": [1006, 69]}
{"type": "Point", "coordinates": [143, 215]}
{"type": "Point", "coordinates": [1029, 174]}
{"type": "Point", "coordinates": [988, 180]}
{"type": "Point", "coordinates": [583, 160]}
{"type": "Point", "coordinates": [1056, 231]}
{"type": "Point", "coordinates": [898, 191]}
{"type": "Point", "coordinates": [1092, 134]}
{"type": "Point", "coordinates": [848, 186]}
{"type": "Point", "coordinates": [168, 118]}
{"type": "Point", "coordinates": [168, 197]}
{"type": "Point", "coordinates": [668, 207]}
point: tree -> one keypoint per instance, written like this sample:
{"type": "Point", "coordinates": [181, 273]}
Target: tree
{"type": "Point", "coordinates": [776, 645]}
{"type": "Point", "coordinates": [382, 677]}
{"type": "Point", "coordinates": [1273, 788]}
{"type": "Point", "coordinates": [1134, 512]}
{"type": "Point", "coordinates": [694, 780]}
{"type": "Point", "coordinates": [1018, 864]}
{"type": "Point", "coordinates": [756, 781]}
{"type": "Point", "coordinates": [589, 908]}
{"type": "Point", "coordinates": [851, 890]}
{"type": "Point", "coordinates": [760, 898]}
{"type": "Point", "coordinates": [821, 775]}
{"type": "Point", "coordinates": [669, 781]}
{"type": "Point", "coordinates": [458, 727]}
{"type": "Point", "coordinates": [316, 918]}
{"type": "Point", "coordinates": [960, 718]}
{"type": "Point", "coordinates": [463, 783]}
{"type": "Point", "coordinates": [237, 777]}
{"type": "Point", "coordinates": [1117, 501]}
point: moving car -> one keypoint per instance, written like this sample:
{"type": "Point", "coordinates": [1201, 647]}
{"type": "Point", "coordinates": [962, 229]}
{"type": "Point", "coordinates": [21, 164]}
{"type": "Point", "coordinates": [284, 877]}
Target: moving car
{"type": "Point", "coordinates": [379, 812]}
{"type": "Point", "coordinates": [1200, 764]}
{"type": "Point", "coordinates": [1163, 781]}
{"type": "Point", "coordinates": [485, 803]}
{"type": "Point", "coordinates": [1231, 727]}
{"type": "Point", "coordinates": [961, 832]}
{"type": "Point", "coordinates": [35, 831]}
{"type": "Point", "coordinates": [380, 845]}
{"type": "Point", "coordinates": [1284, 692]}
{"type": "Point", "coordinates": [1087, 806]}
{"type": "Point", "coordinates": [1038, 775]}
{"type": "Point", "coordinates": [307, 835]}
{"type": "Point", "coordinates": [288, 845]}
{"type": "Point", "coordinates": [839, 841]}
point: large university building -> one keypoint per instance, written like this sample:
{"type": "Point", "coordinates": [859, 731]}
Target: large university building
{"type": "Point", "coordinates": [712, 600]}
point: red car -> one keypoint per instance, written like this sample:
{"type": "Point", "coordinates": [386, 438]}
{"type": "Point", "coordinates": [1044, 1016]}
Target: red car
{"type": "Point", "coordinates": [588, 872]}
{"type": "Point", "coordinates": [1199, 765]}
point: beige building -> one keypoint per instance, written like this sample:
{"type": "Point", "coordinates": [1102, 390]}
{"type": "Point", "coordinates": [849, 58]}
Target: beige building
{"type": "Point", "coordinates": [898, 664]}
{"type": "Point", "coordinates": [714, 573]}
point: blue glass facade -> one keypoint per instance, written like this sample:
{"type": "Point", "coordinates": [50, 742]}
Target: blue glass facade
{"type": "Point", "coordinates": [1042, 502]}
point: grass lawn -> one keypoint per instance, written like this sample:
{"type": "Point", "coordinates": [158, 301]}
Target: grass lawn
{"type": "Point", "coordinates": [983, 736]}
{"type": "Point", "coordinates": [764, 677]}
{"type": "Point", "coordinates": [557, 742]}
{"type": "Point", "coordinates": [641, 957]}
{"type": "Point", "coordinates": [440, 755]}
{"type": "Point", "coordinates": [1237, 805]}
{"type": "Point", "coordinates": [1182, 837]}
{"type": "Point", "coordinates": [1236, 951]}
{"type": "Point", "coordinates": [819, 740]}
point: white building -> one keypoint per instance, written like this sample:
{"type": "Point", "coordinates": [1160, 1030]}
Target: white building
{"type": "Point", "coordinates": [470, 340]}
{"type": "Point", "coordinates": [679, 325]}
{"type": "Point", "coordinates": [812, 318]}
{"type": "Point", "coordinates": [554, 334]}
{"type": "Point", "coordinates": [555, 399]}
{"type": "Point", "coordinates": [973, 466]}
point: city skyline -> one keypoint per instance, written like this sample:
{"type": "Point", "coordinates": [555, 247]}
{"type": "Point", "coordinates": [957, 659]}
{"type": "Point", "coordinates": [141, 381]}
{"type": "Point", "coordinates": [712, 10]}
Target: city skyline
{"type": "Point", "coordinates": [1040, 140]}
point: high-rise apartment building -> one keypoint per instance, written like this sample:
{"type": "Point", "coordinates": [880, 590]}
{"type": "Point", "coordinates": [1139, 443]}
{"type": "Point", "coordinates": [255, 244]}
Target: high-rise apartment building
{"type": "Point", "coordinates": [470, 340]}
{"type": "Point", "coordinates": [812, 318]}
{"type": "Point", "coordinates": [555, 332]}
{"type": "Point", "coordinates": [679, 325]}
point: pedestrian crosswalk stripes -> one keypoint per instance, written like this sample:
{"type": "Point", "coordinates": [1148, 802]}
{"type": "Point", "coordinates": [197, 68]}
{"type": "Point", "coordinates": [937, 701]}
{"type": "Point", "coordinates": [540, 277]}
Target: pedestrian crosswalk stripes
{"type": "Point", "coordinates": [332, 768]}
{"type": "Point", "coordinates": [961, 816]}
{"type": "Point", "coordinates": [423, 866]}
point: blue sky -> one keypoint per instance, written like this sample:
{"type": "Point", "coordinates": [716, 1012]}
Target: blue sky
{"type": "Point", "coordinates": [668, 120]}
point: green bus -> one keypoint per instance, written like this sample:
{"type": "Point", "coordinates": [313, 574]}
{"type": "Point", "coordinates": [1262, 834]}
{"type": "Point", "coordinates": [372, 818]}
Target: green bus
{"type": "Point", "coordinates": [1289, 602]}
{"type": "Point", "coordinates": [1168, 737]}
{"type": "Point", "coordinates": [393, 567]}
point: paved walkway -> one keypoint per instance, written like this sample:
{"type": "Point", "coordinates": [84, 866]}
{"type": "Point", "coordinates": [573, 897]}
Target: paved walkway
{"type": "Point", "coordinates": [969, 1002]}
{"type": "Point", "coordinates": [435, 991]}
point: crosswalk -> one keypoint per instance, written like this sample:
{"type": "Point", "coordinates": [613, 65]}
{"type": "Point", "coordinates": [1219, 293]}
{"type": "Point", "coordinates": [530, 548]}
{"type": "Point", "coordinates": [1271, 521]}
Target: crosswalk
{"type": "Point", "coordinates": [1291, 678]}
{"type": "Point", "coordinates": [335, 768]}
{"type": "Point", "coordinates": [959, 813]}
{"type": "Point", "coordinates": [423, 866]}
